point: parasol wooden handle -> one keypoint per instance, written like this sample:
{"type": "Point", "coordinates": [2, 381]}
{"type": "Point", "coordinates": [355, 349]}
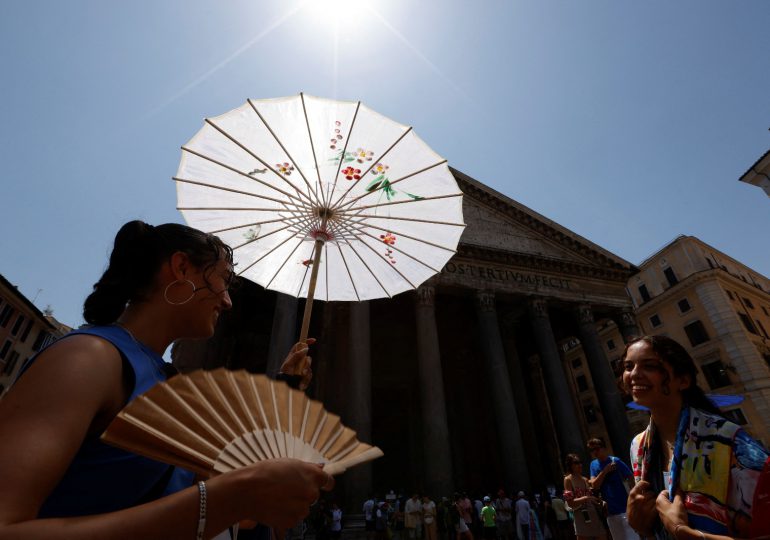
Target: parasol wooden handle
{"type": "Point", "coordinates": [310, 294]}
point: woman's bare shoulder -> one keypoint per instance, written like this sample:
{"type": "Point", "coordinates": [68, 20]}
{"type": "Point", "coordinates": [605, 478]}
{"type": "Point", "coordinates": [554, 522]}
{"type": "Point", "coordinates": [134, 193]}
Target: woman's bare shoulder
{"type": "Point", "coordinates": [81, 367]}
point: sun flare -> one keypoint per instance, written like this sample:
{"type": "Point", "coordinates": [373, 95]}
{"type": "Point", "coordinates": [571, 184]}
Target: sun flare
{"type": "Point", "coordinates": [343, 12]}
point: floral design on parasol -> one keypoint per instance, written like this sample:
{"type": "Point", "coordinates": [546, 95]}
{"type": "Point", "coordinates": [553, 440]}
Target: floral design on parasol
{"type": "Point", "coordinates": [284, 180]}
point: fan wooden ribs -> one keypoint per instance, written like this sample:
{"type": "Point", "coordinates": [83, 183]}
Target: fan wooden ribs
{"type": "Point", "coordinates": [216, 421]}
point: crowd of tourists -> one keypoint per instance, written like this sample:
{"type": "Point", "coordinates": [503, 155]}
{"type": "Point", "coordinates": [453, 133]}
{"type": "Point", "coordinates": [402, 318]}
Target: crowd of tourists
{"type": "Point", "coordinates": [537, 516]}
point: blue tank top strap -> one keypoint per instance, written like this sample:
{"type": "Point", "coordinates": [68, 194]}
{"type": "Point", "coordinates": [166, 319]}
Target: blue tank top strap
{"type": "Point", "coordinates": [102, 478]}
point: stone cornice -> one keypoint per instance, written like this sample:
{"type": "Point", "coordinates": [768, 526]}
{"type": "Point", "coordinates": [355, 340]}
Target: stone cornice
{"type": "Point", "coordinates": [526, 260]}
{"type": "Point", "coordinates": [715, 273]}
{"type": "Point", "coordinates": [540, 226]}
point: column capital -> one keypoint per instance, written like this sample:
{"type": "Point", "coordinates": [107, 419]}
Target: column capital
{"type": "Point", "coordinates": [426, 295]}
{"type": "Point", "coordinates": [627, 318]}
{"type": "Point", "coordinates": [585, 314]}
{"type": "Point", "coordinates": [485, 300]}
{"type": "Point", "coordinates": [538, 308]}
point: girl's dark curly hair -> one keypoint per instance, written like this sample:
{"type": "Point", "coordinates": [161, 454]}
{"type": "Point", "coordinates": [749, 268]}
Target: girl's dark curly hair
{"type": "Point", "coordinates": [139, 251]}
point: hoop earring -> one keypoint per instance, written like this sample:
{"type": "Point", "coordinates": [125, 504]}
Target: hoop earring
{"type": "Point", "coordinates": [165, 292]}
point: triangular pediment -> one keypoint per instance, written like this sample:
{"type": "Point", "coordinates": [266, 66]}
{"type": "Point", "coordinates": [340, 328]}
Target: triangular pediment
{"type": "Point", "coordinates": [500, 224]}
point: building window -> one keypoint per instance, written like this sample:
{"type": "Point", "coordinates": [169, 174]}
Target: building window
{"type": "Point", "coordinates": [17, 324]}
{"type": "Point", "coordinates": [26, 331]}
{"type": "Point", "coordinates": [684, 305]}
{"type": "Point", "coordinates": [590, 413]}
{"type": "Point", "coordinates": [5, 315]}
{"type": "Point", "coordinates": [747, 323]}
{"type": "Point", "coordinates": [582, 383]}
{"type": "Point", "coordinates": [617, 367]}
{"type": "Point", "coordinates": [716, 375]}
{"type": "Point", "coordinates": [748, 303]}
{"type": "Point", "coordinates": [729, 295]}
{"type": "Point", "coordinates": [11, 363]}
{"type": "Point", "coordinates": [670, 276]}
{"type": "Point", "coordinates": [577, 362]}
{"type": "Point", "coordinates": [611, 344]}
{"type": "Point", "coordinates": [761, 328]}
{"type": "Point", "coordinates": [4, 350]}
{"type": "Point", "coordinates": [736, 416]}
{"type": "Point", "coordinates": [655, 321]}
{"type": "Point", "coordinates": [696, 333]}
{"type": "Point", "coordinates": [644, 292]}
{"type": "Point", "coordinates": [41, 339]}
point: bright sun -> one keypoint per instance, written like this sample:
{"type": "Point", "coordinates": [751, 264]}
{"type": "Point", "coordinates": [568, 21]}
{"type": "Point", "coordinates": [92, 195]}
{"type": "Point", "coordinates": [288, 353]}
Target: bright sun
{"type": "Point", "coordinates": [338, 11]}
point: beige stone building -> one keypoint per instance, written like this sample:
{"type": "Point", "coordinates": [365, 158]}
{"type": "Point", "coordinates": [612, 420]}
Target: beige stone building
{"type": "Point", "coordinates": [720, 310]}
{"type": "Point", "coordinates": [24, 330]}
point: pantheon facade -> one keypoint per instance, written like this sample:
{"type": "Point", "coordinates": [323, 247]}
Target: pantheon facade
{"type": "Point", "coordinates": [463, 382]}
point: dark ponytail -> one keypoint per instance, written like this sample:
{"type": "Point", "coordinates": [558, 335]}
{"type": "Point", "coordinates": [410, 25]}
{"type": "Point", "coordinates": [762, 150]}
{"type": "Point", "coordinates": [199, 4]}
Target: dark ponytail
{"type": "Point", "coordinates": [671, 352]}
{"type": "Point", "coordinates": [139, 251]}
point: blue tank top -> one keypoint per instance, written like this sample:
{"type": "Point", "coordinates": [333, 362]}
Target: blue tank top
{"type": "Point", "coordinates": [102, 478]}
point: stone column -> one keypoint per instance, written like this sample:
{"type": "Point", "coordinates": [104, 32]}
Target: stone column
{"type": "Point", "coordinates": [605, 383]}
{"type": "Point", "coordinates": [515, 470]}
{"type": "Point", "coordinates": [358, 413]}
{"type": "Point", "coordinates": [627, 324]}
{"type": "Point", "coordinates": [565, 418]}
{"type": "Point", "coordinates": [284, 333]}
{"type": "Point", "coordinates": [550, 452]}
{"type": "Point", "coordinates": [438, 460]}
{"type": "Point", "coordinates": [524, 406]}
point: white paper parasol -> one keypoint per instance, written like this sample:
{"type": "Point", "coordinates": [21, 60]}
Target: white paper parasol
{"type": "Point", "coordinates": [321, 198]}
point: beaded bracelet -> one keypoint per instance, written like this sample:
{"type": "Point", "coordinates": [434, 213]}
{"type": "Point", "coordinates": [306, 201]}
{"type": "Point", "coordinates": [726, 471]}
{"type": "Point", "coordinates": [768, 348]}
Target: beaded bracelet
{"type": "Point", "coordinates": [201, 510]}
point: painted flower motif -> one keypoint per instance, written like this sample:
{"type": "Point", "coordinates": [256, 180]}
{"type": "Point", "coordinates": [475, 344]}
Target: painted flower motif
{"type": "Point", "coordinates": [336, 137]}
{"type": "Point", "coordinates": [284, 168]}
{"type": "Point", "coordinates": [351, 173]}
{"type": "Point", "coordinates": [363, 155]}
{"type": "Point", "coordinates": [388, 238]}
{"type": "Point", "coordinates": [380, 168]}
{"type": "Point", "coordinates": [252, 233]}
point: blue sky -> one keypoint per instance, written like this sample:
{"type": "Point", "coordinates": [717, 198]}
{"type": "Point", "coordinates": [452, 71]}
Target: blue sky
{"type": "Point", "coordinates": [627, 122]}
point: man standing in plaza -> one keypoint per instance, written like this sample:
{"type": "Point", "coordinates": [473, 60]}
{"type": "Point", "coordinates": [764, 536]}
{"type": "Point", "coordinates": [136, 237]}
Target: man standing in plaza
{"type": "Point", "coordinates": [610, 475]}
{"type": "Point", "coordinates": [522, 515]}
{"type": "Point", "coordinates": [413, 517]}
{"type": "Point", "coordinates": [488, 520]}
{"type": "Point", "coordinates": [368, 509]}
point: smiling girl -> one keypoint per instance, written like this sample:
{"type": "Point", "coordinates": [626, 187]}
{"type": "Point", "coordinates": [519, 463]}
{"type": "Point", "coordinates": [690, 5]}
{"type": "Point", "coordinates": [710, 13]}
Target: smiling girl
{"type": "Point", "coordinates": [688, 450]}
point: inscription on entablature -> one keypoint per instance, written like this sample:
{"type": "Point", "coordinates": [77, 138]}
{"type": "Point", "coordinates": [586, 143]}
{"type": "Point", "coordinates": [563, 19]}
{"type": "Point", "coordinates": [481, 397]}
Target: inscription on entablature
{"type": "Point", "coordinates": [492, 273]}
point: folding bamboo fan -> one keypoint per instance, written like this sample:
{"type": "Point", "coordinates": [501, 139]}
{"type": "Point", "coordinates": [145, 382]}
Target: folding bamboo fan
{"type": "Point", "coordinates": [222, 420]}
